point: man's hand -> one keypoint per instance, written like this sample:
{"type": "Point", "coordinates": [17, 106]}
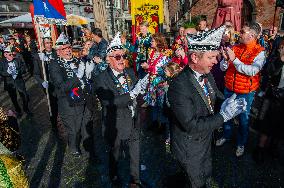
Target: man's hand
{"type": "Point", "coordinates": [232, 107]}
{"type": "Point", "coordinates": [140, 87]}
{"type": "Point", "coordinates": [224, 54]}
{"type": "Point", "coordinates": [230, 53]}
{"type": "Point", "coordinates": [145, 65]}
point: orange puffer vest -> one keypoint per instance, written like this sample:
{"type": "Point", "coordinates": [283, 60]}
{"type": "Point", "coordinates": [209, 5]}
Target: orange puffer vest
{"type": "Point", "coordinates": [236, 81]}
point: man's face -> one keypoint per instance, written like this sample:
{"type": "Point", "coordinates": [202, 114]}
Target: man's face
{"type": "Point", "coordinates": [96, 38]}
{"type": "Point", "coordinates": [272, 32]}
{"type": "Point", "coordinates": [47, 45]}
{"type": "Point", "coordinates": [204, 63]}
{"type": "Point", "coordinates": [116, 60]}
{"type": "Point", "coordinates": [143, 29]}
{"type": "Point", "coordinates": [246, 36]}
{"type": "Point", "coordinates": [12, 42]}
{"type": "Point", "coordinates": [1, 40]}
{"type": "Point", "coordinates": [65, 51]}
{"type": "Point", "coordinates": [202, 25]}
{"type": "Point", "coordinates": [9, 56]}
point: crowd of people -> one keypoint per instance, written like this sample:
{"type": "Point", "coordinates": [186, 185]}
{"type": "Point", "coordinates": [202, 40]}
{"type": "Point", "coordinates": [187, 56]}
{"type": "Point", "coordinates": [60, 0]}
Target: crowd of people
{"type": "Point", "coordinates": [206, 80]}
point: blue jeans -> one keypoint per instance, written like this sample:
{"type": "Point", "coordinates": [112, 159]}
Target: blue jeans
{"type": "Point", "coordinates": [243, 128]}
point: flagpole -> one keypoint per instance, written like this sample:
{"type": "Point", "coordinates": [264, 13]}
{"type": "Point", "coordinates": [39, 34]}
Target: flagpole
{"type": "Point", "coordinates": [43, 69]}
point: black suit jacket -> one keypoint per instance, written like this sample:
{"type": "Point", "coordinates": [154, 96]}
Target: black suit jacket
{"type": "Point", "coordinates": [9, 82]}
{"type": "Point", "coordinates": [38, 74]}
{"type": "Point", "coordinates": [117, 119]}
{"type": "Point", "coordinates": [193, 121]}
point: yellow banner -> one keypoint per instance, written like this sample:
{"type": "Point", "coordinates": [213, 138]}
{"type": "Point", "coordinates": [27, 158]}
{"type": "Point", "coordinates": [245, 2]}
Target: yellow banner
{"type": "Point", "coordinates": [148, 10]}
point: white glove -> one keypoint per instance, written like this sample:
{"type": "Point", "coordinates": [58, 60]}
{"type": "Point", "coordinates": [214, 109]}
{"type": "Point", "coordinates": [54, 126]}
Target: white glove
{"type": "Point", "coordinates": [89, 68]}
{"type": "Point", "coordinates": [140, 87]}
{"type": "Point", "coordinates": [73, 66]}
{"type": "Point", "coordinates": [44, 84]}
{"type": "Point", "coordinates": [81, 70]}
{"type": "Point", "coordinates": [41, 56]}
{"type": "Point", "coordinates": [232, 107]}
{"type": "Point", "coordinates": [12, 70]}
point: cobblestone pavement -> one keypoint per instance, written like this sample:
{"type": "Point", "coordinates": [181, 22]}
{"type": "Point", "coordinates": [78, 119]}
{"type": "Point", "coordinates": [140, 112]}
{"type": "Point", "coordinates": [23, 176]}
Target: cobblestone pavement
{"type": "Point", "coordinates": [48, 164]}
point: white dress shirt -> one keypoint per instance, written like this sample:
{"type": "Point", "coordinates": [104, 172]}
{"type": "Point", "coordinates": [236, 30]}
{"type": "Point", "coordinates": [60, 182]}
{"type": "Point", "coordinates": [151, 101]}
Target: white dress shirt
{"type": "Point", "coordinates": [249, 70]}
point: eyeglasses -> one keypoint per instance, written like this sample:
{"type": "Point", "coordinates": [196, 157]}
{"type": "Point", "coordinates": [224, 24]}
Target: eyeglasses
{"type": "Point", "coordinates": [118, 57]}
{"type": "Point", "coordinates": [243, 32]}
{"type": "Point", "coordinates": [68, 47]}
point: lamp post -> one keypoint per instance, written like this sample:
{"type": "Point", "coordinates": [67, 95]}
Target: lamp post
{"type": "Point", "coordinates": [111, 17]}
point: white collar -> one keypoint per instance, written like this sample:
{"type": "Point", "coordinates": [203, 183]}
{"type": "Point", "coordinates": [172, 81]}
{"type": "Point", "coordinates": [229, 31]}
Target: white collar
{"type": "Point", "coordinates": [116, 73]}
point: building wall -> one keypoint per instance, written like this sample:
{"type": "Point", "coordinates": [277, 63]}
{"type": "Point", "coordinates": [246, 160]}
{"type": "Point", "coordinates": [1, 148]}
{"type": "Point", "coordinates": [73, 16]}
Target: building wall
{"type": "Point", "coordinates": [264, 11]}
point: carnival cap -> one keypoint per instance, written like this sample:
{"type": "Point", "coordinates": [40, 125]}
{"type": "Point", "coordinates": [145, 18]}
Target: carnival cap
{"type": "Point", "coordinates": [115, 44]}
{"type": "Point", "coordinates": [62, 40]}
{"type": "Point", "coordinates": [206, 41]}
{"type": "Point", "coordinates": [8, 49]}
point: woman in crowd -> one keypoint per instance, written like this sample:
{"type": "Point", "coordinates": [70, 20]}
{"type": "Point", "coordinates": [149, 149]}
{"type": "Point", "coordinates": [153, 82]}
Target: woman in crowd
{"type": "Point", "coordinates": [156, 90]}
{"type": "Point", "coordinates": [270, 115]}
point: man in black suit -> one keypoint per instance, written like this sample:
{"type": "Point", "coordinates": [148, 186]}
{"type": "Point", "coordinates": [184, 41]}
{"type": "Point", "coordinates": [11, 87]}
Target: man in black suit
{"type": "Point", "coordinates": [12, 70]}
{"type": "Point", "coordinates": [47, 55]}
{"type": "Point", "coordinates": [116, 89]}
{"type": "Point", "coordinates": [195, 103]}
{"type": "Point", "coordinates": [67, 74]}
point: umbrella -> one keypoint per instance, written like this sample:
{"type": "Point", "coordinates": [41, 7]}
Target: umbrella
{"type": "Point", "coordinates": [73, 19]}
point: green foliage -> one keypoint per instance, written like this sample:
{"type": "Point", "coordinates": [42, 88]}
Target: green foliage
{"type": "Point", "coordinates": [194, 21]}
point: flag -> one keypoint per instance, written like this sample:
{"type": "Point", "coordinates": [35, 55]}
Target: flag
{"type": "Point", "coordinates": [49, 11]}
{"type": "Point", "coordinates": [280, 3]}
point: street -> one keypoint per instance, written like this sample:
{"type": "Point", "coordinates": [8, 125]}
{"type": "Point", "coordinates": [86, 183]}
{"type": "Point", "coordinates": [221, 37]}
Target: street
{"type": "Point", "coordinates": [48, 164]}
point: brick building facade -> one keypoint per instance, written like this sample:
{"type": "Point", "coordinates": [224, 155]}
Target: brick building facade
{"type": "Point", "coordinates": [261, 11]}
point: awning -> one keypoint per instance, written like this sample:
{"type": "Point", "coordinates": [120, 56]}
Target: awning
{"type": "Point", "coordinates": [26, 18]}
{"type": "Point", "coordinates": [72, 19]}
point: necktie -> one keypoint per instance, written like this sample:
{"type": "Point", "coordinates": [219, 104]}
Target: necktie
{"type": "Point", "coordinates": [206, 92]}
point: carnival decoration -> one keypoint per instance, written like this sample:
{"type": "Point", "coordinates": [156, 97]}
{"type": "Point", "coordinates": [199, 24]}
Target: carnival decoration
{"type": "Point", "coordinates": [206, 41]}
{"type": "Point", "coordinates": [146, 10]}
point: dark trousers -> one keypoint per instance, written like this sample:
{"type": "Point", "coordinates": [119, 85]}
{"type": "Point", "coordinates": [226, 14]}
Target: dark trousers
{"type": "Point", "coordinates": [53, 108]}
{"type": "Point", "coordinates": [198, 173]}
{"type": "Point", "coordinates": [74, 120]}
{"type": "Point", "coordinates": [24, 96]}
{"type": "Point", "coordinates": [133, 144]}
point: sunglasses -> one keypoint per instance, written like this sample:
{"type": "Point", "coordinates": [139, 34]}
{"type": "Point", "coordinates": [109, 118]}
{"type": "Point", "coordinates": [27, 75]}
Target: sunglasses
{"type": "Point", "coordinates": [9, 54]}
{"type": "Point", "coordinates": [118, 57]}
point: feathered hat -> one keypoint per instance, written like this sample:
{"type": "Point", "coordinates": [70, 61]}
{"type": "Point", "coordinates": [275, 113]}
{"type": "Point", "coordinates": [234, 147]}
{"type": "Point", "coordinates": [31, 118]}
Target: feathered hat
{"type": "Point", "coordinates": [115, 44]}
{"type": "Point", "coordinates": [206, 41]}
{"type": "Point", "coordinates": [62, 40]}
